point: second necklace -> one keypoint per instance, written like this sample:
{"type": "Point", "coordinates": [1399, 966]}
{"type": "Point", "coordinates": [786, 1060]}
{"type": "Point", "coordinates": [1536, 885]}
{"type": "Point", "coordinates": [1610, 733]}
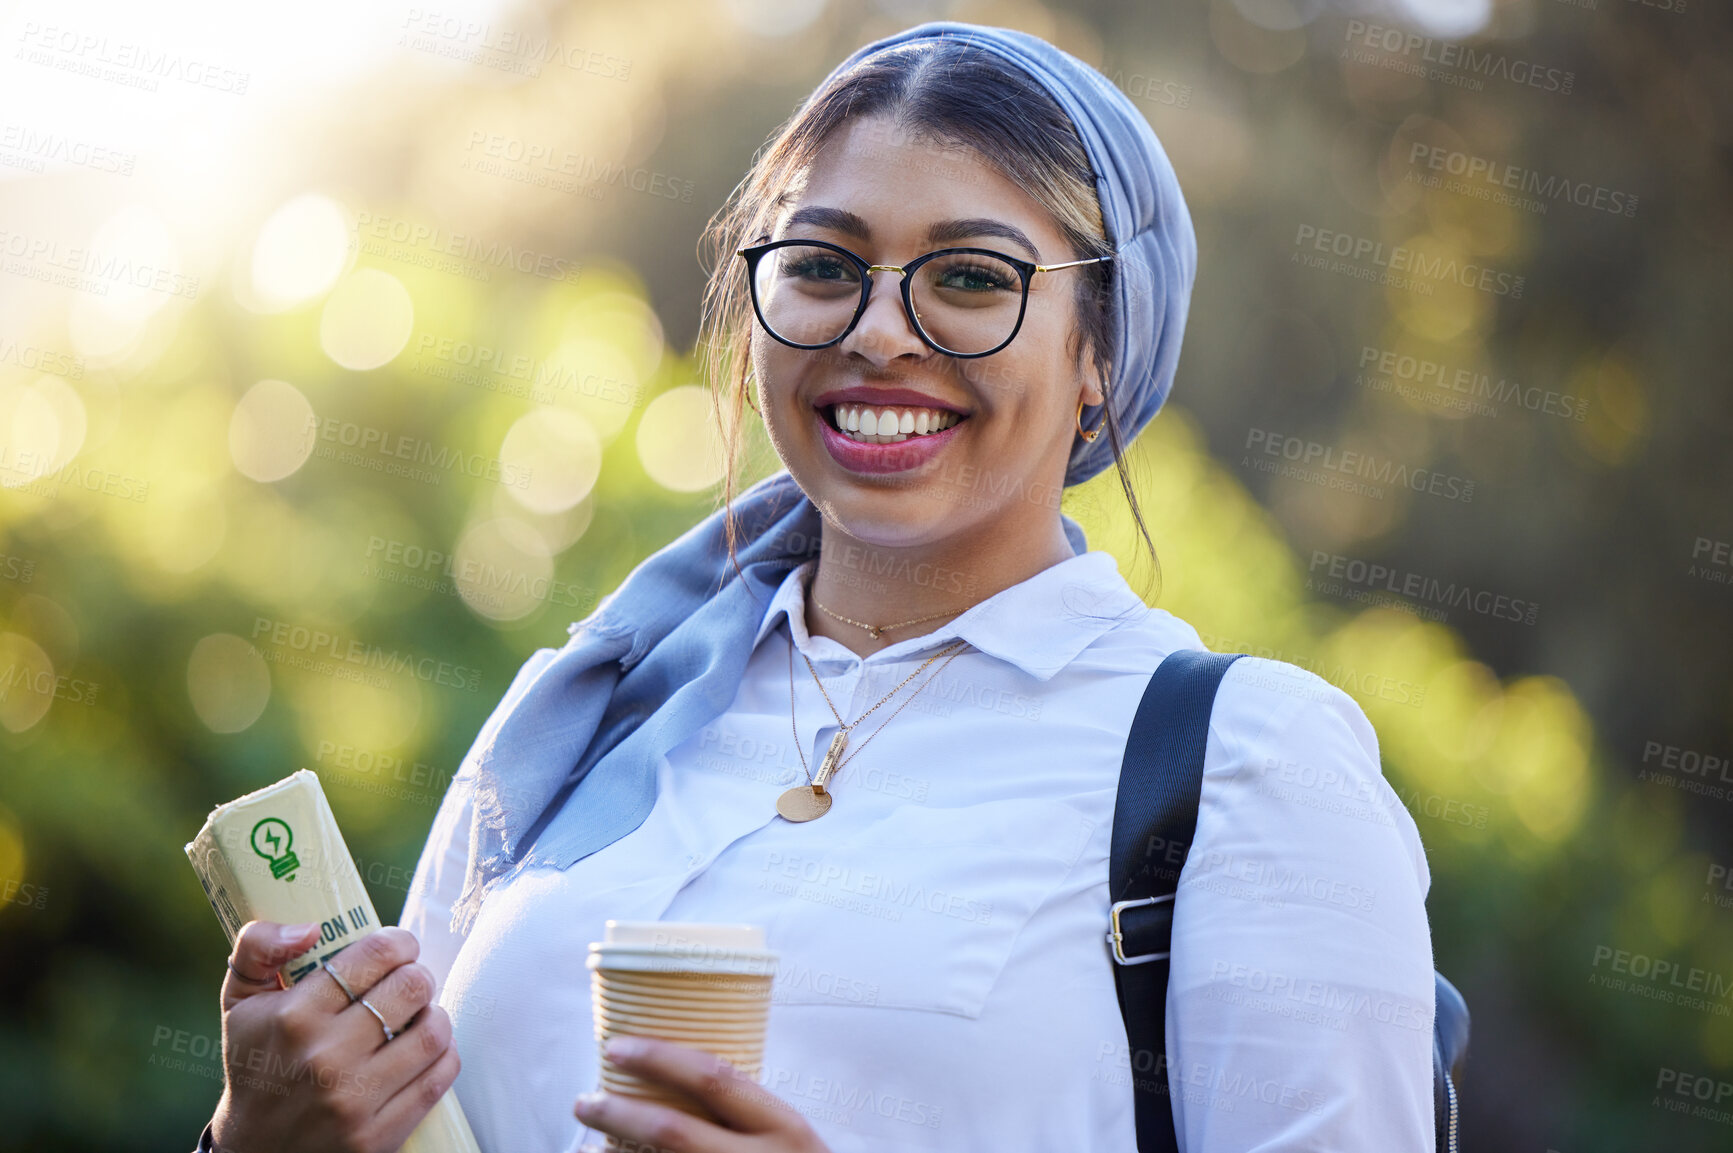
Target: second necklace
{"type": "Point", "coordinates": [810, 801]}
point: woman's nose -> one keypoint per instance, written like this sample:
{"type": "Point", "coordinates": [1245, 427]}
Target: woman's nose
{"type": "Point", "coordinates": [885, 332]}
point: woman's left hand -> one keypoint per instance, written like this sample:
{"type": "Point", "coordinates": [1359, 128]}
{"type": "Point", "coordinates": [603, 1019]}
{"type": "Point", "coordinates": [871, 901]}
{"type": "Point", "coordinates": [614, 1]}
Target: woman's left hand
{"type": "Point", "coordinates": [753, 1119]}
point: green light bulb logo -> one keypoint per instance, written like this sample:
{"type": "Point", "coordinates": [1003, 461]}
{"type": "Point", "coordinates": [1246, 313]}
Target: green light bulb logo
{"type": "Point", "coordinates": [272, 840]}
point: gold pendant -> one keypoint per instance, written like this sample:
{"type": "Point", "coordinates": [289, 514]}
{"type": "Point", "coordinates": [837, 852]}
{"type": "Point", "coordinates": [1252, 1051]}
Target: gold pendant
{"type": "Point", "coordinates": [803, 803]}
{"type": "Point", "coordinates": [807, 802]}
{"type": "Point", "coordinates": [832, 758]}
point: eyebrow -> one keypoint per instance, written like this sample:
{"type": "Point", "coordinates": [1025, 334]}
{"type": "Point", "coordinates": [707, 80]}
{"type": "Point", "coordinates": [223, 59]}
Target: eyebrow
{"type": "Point", "coordinates": [942, 232]}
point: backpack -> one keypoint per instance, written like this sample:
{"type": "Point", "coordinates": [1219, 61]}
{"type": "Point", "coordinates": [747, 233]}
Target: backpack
{"type": "Point", "coordinates": [1160, 784]}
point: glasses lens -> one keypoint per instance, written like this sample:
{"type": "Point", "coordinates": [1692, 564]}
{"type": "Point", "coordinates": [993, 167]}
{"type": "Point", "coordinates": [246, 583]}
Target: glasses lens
{"type": "Point", "coordinates": [967, 302]}
{"type": "Point", "coordinates": [807, 294]}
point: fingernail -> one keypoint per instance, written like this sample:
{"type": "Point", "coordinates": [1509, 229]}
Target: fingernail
{"type": "Point", "coordinates": [623, 1048]}
{"type": "Point", "coordinates": [289, 933]}
{"type": "Point", "coordinates": [588, 1104]}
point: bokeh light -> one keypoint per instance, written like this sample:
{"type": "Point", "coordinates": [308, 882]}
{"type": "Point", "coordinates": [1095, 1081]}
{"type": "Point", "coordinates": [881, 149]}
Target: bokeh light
{"type": "Point", "coordinates": [551, 459]}
{"type": "Point", "coordinates": [27, 682]}
{"type": "Point", "coordinates": [40, 429]}
{"type": "Point", "coordinates": [272, 431]}
{"type": "Point", "coordinates": [677, 440]}
{"type": "Point", "coordinates": [228, 682]}
{"type": "Point", "coordinates": [504, 569]}
{"type": "Point", "coordinates": [367, 320]}
{"type": "Point", "coordinates": [300, 251]}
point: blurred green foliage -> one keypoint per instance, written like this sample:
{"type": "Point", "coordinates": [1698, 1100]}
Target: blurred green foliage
{"type": "Point", "coordinates": [154, 652]}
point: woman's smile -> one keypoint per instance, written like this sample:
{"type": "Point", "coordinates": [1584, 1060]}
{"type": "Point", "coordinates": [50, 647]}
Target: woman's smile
{"type": "Point", "coordinates": [885, 430]}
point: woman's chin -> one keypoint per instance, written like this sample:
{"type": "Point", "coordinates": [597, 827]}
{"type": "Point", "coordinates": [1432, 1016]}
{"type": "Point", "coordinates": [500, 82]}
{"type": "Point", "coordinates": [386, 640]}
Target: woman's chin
{"type": "Point", "coordinates": [889, 515]}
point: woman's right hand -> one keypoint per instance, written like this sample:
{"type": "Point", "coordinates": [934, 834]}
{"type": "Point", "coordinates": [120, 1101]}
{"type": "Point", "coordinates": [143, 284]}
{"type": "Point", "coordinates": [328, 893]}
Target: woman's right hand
{"type": "Point", "coordinates": [308, 1070]}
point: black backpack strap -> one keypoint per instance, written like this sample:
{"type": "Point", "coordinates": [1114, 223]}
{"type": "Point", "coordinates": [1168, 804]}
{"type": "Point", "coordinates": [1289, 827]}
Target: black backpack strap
{"type": "Point", "coordinates": [1154, 820]}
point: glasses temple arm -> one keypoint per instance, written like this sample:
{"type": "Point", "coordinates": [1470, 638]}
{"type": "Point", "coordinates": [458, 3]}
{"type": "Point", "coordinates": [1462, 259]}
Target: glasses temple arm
{"type": "Point", "coordinates": [1071, 263]}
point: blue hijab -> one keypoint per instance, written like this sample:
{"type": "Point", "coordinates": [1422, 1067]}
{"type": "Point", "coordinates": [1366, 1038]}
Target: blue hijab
{"type": "Point", "coordinates": [665, 652]}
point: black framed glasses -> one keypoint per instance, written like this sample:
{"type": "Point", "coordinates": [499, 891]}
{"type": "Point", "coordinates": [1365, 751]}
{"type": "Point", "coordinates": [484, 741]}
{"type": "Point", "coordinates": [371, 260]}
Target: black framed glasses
{"type": "Point", "coordinates": [963, 302]}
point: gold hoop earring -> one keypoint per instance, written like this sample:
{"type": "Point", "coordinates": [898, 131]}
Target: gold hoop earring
{"type": "Point", "coordinates": [1091, 434]}
{"type": "Point", "coordinates": [747, 385]}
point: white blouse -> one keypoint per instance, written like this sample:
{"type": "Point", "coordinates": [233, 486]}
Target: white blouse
{"type": "Point", "coordinates": [944, 980]}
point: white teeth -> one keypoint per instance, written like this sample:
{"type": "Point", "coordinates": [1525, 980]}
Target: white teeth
{"type": "Point", "coordinates": [889, 425]}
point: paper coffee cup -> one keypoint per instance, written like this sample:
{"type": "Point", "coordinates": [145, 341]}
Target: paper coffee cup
{"type": "Point", "coordinates": [706, 986]}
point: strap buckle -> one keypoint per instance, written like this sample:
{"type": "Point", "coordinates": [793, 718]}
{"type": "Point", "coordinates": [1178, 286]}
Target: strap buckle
{"type": "Point", "coordinates": [1116, 937]}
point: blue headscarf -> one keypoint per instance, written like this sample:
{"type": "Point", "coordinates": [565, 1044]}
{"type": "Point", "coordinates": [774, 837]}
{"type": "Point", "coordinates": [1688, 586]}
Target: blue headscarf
{"type": "Point", "coordinates": [567, 764]}
{"type": "Point", "coordinates": [1146, 218]}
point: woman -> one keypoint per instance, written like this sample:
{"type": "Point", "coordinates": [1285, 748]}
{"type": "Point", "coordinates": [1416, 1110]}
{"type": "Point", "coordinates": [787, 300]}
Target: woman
{"type": "Point", "coordinates": [944, 982]}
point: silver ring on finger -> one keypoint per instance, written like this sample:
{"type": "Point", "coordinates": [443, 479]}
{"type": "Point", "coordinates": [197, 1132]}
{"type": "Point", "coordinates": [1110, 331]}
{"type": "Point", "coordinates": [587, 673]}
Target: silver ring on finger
{"type": "Point", "coordinates": [365, 1004]}
{"type": "Point", "coordinates": [341, 983]}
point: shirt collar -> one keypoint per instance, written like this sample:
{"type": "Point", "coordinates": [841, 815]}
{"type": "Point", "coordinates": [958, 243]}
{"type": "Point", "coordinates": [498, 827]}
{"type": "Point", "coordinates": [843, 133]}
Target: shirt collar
{"type": "Point", "coordinates": [1040, 624]}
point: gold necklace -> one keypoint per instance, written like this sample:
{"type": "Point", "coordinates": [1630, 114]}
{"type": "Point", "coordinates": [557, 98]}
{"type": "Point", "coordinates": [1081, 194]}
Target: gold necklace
{"type": "Point", "coordinates": [805, 804]}
{"type": "Point", "coordinates": [878, 631]}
